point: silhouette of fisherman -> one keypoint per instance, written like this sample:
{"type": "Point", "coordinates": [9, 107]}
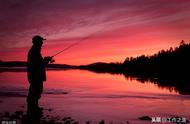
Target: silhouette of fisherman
{"type": "Point", "coordinates": [36, 75]}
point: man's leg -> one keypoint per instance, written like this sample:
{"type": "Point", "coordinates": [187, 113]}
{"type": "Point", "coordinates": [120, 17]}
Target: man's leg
{"type": "Point", "coordinates": [31, 100]}
{"type": "Point", "coordinates": [34, 94]}
{"type": "Point", "coordinates": [39, 92]}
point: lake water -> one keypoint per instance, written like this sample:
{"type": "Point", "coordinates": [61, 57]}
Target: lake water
{"type": "Point", "coordinates": [88, 96]}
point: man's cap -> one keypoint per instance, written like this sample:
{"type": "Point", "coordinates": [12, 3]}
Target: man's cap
{"type": "Point", "coordinates": [37, 38]}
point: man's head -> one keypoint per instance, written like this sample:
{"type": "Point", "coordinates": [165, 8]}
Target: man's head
{"type": "Point", "coordinates": [37, 40]}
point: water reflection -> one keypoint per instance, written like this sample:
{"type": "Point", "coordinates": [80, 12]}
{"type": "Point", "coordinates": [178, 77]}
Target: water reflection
{"type": "Point", "coordinates": [180, 85]}
{"type": "Point", "coordinates": [97, 96]}
{"type": "Point", "coordinates": [177, 82]}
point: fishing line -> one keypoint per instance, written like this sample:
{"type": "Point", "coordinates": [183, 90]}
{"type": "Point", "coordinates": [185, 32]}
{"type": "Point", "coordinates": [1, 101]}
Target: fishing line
{"type": "Point", "coordinates": [79, 41]}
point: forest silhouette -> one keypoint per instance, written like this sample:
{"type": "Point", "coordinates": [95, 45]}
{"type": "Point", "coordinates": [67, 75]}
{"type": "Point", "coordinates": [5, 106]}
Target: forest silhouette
{"type": "Point", "coordinates": [171, 62]}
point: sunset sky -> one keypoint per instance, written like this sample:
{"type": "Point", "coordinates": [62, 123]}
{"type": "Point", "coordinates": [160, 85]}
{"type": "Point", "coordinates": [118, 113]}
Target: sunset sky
{"type": "Point", "coordinates": [116, 29]}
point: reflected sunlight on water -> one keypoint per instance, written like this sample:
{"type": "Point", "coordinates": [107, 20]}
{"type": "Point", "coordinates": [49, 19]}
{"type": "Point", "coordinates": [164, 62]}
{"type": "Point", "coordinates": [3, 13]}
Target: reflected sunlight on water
{"type": "Point", "coordinates": [86, 96]}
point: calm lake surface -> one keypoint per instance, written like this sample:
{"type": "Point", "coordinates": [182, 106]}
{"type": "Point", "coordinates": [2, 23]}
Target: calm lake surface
{"type": "Point", "coordinates": [87, 96]}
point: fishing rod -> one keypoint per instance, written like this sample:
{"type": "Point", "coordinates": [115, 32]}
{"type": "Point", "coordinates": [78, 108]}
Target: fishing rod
{"type": "Point", "coordinates": [66, 48]}
{"type": "Point", "coordinates": [77, 42]}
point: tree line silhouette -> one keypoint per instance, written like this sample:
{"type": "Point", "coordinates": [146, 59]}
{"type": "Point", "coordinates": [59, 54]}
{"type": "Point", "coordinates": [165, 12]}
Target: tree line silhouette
{"type": "Point", "coordinates": [171, 62]}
